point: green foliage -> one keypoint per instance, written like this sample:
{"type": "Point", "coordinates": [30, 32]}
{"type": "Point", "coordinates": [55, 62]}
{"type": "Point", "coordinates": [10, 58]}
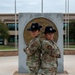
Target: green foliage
{"type": "Point", "coordinates": [4, 30]}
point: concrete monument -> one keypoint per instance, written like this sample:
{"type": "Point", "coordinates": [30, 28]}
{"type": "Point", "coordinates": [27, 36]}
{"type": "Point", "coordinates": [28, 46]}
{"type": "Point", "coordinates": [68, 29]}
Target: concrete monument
{"type": "Point", "coordinates": [44, 19]}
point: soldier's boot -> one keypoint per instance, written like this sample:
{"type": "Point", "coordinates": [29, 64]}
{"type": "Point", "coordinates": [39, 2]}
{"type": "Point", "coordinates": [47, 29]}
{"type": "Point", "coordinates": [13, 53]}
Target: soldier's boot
{"type": "Point", "coordinates": [33, 71]}
{"type": "Point", "coordinates": [48, 72]}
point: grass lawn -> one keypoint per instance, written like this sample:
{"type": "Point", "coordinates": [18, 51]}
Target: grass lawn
{"type": "Point", "coordinates": [71, 46]}
{"type": "Point", "coordinates": [7, 48]}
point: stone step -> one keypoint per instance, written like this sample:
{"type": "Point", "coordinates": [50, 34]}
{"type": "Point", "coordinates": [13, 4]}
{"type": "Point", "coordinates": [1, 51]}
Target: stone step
{"type": "Point", "coordinates": [17, 73]}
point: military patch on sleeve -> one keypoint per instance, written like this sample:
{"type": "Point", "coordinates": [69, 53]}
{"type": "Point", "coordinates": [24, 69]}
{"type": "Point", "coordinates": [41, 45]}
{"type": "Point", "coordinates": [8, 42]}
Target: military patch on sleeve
{"type": "Point", "coordinates": [49, 47]}
{"type": "Point", "coordinates": [33, 44]}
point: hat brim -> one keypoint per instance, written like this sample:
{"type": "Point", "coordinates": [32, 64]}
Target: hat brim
{"type": "Point", "coordinates": [53, 31]}
{"type": "Point", "coordinates": [29, 29]}
{"type": "Point", "coordinates": [33, 29]}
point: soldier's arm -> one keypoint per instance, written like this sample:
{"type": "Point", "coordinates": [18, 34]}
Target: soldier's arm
{"type": "Point", "coordinates": [56, 53]}
{"type": "Point", "coordinates": [32, 48]}
{"type": "Point", "coordinates": [26, 50]}
{"type": "Point", "coordinates": [46, 47]}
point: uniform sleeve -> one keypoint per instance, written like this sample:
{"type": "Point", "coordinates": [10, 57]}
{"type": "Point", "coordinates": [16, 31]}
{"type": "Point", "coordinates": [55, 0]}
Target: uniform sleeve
{"type": "Point", "coordinates": [46, 47]}
{"type": "Point", "coordinates": [56, 53]}
{"type": "Point", "coordinates": [33, 47]}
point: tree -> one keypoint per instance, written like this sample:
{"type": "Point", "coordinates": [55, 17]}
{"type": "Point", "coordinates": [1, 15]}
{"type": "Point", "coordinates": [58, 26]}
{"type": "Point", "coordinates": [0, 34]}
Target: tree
{"type": "Point", "coordinates": [3, 30]}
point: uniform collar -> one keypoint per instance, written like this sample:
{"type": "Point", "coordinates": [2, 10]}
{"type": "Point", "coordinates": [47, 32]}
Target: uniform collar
{"type": "Point", "coordinates": [49, 40]}
{"type": "Point", "coordinates": [36, 37]}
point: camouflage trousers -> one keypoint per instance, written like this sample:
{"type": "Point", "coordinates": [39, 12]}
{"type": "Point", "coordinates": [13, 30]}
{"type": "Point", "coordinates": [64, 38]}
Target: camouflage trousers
{"type": "Point", "coordinates": [51, 71]}
{"type": "Point", "coordinates": [33, 70]}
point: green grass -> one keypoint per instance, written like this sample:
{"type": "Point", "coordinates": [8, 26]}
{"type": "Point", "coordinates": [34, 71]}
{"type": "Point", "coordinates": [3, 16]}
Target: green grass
{"type": "Point", "coordinates": [70, 46]}
{"type": "Point", "coordinates": [7, 48]}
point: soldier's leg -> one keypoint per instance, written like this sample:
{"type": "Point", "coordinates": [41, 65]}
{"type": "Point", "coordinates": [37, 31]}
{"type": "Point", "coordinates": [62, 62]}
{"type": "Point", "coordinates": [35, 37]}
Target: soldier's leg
{"type": "Point", "coordinates": [51, 71]}
{"type": "Point", "coordinates": [33, 70]}
{"type": "Point", "coordinates": [46, 72]}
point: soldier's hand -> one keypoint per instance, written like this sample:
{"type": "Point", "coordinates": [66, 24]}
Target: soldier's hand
{"type": "Point", "coordinates": [59, 56]}
{"type": "Point", "coordinates": [26, 50]}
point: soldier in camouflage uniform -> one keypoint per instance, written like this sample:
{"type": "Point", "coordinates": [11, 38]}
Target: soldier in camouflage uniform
{"type": "Point", "coordinates": [50, 52]}
{"type": "Point", "coordinates": [33, 50]}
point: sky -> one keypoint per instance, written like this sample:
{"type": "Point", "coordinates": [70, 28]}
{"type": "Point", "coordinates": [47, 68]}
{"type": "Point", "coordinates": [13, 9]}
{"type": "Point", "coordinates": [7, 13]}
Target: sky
{"type": "Point", "coordinates": [34, 6]}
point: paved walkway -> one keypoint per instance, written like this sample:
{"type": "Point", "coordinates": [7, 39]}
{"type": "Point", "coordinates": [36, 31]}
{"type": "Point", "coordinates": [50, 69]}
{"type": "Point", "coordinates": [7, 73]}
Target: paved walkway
{"type": "Point", "coordinates": [69, 64]}
{"type": "Point", "coordinates": [8, 65]}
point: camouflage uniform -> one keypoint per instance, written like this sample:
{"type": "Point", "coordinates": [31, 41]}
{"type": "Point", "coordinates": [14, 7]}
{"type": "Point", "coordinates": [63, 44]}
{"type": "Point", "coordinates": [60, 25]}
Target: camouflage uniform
{"type": "Point", "coordinates": [33, 55]}
{"type": "Point", "coordinates": [50, 53]}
